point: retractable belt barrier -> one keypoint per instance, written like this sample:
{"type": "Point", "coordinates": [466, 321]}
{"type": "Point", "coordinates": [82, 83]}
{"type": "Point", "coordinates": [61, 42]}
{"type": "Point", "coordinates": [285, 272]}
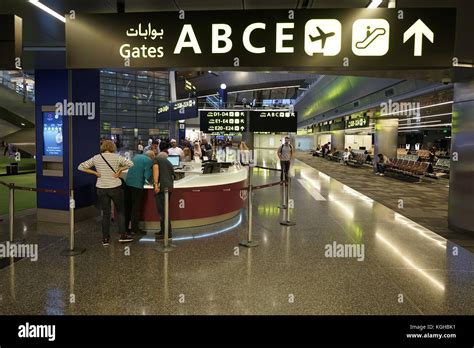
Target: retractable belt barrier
{"type": "Point", "coordinates": [11, 208]}
{"type": "Point", "coordinates": [166, 244]}
{"type": "Point", "coordinates": [274, 169]}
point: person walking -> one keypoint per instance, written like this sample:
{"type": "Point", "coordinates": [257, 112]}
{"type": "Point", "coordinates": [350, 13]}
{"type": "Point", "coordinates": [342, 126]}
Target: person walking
{"type": "Point", "coordinates": [163, 178]}
{"type": "Point", "coordinates": [135, 180]}
{"type": "Point", "coordinates": [285, 154]}
{"type": "Point", "coordinates": [244, 153]}
{"type": "Point", "coordinates": [108, 167]}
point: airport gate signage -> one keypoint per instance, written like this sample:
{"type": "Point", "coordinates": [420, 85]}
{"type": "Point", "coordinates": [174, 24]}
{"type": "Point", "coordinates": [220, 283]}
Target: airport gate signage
{"type": "Point", "coordinates": [178, 110]}
{"type": "Point", "coordinates": [358, 122]}
{"type": "Point", "coordinates": [11, 42]}
{"type": "Point", "coordinates": [338, 39]}
{"type": "Point", "coordinates": [273, 121]}
{"type": "Point", "coordinates": [223, 121]}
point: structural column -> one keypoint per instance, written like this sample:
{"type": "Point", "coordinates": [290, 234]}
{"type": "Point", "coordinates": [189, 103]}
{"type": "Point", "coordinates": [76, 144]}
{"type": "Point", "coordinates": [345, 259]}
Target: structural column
{"type": "Point", "coordinates": [337, 140]}
{"type": "Point", "coordinates": [51, 87]}
{"type": "Point", "coordinates": [386, 137]}
{"type": "Point", "coordinates": [461, 188]}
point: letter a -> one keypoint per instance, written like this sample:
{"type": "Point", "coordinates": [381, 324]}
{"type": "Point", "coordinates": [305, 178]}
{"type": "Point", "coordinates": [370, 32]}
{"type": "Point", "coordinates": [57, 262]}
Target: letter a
{"type": "Point", "coordinates": [193, 42]}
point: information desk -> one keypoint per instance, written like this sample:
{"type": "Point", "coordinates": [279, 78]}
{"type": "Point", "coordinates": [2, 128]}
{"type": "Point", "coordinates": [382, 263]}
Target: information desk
{"type": "Point", "coordinates": [190, 207]}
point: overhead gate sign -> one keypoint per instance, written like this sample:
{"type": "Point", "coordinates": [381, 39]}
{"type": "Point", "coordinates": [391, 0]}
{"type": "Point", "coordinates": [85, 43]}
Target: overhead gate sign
{"type": "Point", "coordinates": [271, 39]}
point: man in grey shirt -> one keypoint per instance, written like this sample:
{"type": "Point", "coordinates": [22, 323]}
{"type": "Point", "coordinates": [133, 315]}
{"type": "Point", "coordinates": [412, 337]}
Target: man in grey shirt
{"type": "Point", "coordinates": [163, 177]}
{"type": "Point", "coordinates": [285, 154]}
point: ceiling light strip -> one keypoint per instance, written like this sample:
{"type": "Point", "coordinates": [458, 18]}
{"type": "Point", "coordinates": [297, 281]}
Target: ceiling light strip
{"type": "Point", "coordinates": [48, 10]}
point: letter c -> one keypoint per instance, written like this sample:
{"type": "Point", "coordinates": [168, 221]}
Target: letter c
{"type": "Point", "coordinates": [246, 38]}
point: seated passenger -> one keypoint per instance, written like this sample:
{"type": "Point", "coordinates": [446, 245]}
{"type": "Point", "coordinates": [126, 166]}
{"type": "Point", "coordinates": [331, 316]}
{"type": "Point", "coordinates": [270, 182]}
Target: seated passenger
{"type": "Point", "coordinates": [381, 163]}
{"type": "Point", "coordinates": [346, 156]}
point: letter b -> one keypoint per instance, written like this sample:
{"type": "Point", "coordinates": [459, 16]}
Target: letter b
{"type": "Point", "coordinates": [225, 37]}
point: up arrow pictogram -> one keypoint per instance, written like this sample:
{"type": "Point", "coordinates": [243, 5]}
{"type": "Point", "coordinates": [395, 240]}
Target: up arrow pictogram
{"type": "Point", "coordinates": [419, 29]}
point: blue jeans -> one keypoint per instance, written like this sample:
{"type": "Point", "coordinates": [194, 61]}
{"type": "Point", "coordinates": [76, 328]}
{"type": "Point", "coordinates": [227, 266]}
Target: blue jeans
{"type": "Point", "coordinates": [380, 168]}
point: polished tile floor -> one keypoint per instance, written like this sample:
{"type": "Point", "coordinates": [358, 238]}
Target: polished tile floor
{"type": "Point", "coordinates": [424, 202]}
{"type": "Point", "coordinates": [405, 268]}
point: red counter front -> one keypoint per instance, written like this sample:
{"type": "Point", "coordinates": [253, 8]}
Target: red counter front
{"type": "Point", "coordinates": [197, 206]}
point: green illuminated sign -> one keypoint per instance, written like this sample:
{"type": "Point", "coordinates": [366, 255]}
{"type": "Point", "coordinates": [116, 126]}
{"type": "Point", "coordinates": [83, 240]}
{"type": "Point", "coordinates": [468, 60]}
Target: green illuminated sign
{"type": "Point", "coordinates": [358, 122]}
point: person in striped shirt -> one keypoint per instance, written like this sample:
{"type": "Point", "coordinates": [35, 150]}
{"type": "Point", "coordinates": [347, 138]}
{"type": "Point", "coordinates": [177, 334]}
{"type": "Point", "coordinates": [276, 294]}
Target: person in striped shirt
{"type": "Point", "coordinates": [108, 167]}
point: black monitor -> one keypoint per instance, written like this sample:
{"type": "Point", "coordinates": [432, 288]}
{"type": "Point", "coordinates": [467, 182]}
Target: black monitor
{"type": "Point", "coordinates": [211, 167]}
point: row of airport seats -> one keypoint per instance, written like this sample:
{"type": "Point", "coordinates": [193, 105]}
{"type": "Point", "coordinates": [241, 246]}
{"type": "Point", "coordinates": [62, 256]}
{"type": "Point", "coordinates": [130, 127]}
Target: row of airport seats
{"type": "Point", "coordinates": [359, 159]}
{"type": "Point", "coordinates": [442, 165]}
{"type": "Point", "coordinates": [407, 167]}
{"type": "Point", "coordinates": [335, 156]}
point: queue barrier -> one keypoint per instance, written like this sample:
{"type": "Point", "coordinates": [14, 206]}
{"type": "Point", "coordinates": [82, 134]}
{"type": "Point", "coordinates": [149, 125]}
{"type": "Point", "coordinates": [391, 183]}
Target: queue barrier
{"type": "Point", "coordinates": [249, 242]}
{"type": "Point", "coordinates": [167, 246]}
{"type": "Point", "coordinates": [72, 250]}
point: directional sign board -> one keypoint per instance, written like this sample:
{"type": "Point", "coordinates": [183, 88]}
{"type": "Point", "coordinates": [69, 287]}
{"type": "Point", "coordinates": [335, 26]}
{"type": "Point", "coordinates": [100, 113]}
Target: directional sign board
{"type": "Point", "coordinates": [358, 122]}
{"type": "Point", "coordinates": [178, 110]}
{"type": "Point", "coordinates": [273, 121]}
{"type": "Point", "coordinates": [339, 39]}
{"type": "Point", "coordinates": [223, 121]}
{"type": "Point", "coordinates": [183, 109]}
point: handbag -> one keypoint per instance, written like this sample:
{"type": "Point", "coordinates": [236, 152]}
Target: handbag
{"type": "Point", "coordinates": [123, 181]}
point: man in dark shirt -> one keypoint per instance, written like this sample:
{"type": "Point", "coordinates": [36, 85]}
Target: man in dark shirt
{"type": "Point", "coordinates": [163, 177]}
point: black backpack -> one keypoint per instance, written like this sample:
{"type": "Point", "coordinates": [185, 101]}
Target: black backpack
{"type": "Point", "coordinates": [280, 151]}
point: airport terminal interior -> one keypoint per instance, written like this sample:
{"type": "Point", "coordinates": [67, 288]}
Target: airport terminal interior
{"type": "Point", "coordinates": [344, 187]}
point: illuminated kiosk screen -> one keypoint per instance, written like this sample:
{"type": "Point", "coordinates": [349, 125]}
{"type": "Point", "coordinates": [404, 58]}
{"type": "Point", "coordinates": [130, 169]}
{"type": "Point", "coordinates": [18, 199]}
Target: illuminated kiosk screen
{"type": "Point", "coordinates": [174, 160]}
{"type": "Point", "coordinates": [52, 134]}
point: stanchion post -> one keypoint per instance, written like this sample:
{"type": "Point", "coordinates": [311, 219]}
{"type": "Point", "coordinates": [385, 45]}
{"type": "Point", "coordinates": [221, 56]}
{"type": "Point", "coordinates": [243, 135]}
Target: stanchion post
{"type": "Point", "coordinates": [11, 210]}
{"type": "Point", "coordinates": [167, 217]}
{"type": "Point", "coordinates": [286, 220]}
{"type": "Point", "coordinates": [249, 243]}
{"type": "Point", "coordinates": [283, 197]}
{"type": "Point", "coordinates": [166, 245]}
{"type": "Point", "coordinates": [72, 250]}
{"type": "Point", "coordinates": [71, 221]}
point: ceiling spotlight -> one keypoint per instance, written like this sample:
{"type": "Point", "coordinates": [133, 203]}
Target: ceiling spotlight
{"type": "Point", "coordinates": [223, 86]}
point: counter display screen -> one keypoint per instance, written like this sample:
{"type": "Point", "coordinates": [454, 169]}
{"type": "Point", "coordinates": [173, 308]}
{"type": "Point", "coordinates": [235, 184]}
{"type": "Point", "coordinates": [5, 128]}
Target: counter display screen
{"type": "Point", "coordinates": [273, 121]}
{"type": "Point", "coordinates": [223, 121]}
{"type": "Point", "coordinates": [52, 134]}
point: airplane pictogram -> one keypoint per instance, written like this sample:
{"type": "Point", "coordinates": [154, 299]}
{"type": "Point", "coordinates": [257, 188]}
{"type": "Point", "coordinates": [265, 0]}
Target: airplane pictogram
{"type": "Point", "coordinates": [322, 36]}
